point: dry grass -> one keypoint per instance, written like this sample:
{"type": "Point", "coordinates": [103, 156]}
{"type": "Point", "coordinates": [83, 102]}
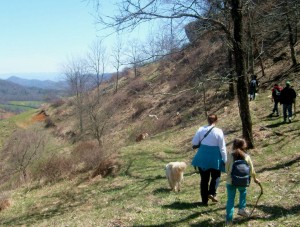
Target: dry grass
{"type": "Point", "coordinates": [106, 192]}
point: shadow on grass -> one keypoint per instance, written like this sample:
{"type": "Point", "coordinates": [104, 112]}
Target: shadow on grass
{"type": "Point", "coordinates": [281, 165]}
{"type": "Point", "coordinates": [275, 125]}
{"type": "Point", "coordinates": [230, 131]}
{"type": "Point", "coordinates": [189, 218]}
{"type": "Point", "coordinates": [276, 212]}
{"type": "Point", "coordinates": [271, 213]}
{"type": "Point", "coordinates": [67, 202]}
{"type": "Point", "coordinates": [183, 205]}
{"type": "Point", "coordinates": [162, 191]}
{"type": "Point", "coordinates": [175, 223]}
{"type": "Point", "coordinates": [271, 117]}
{"type": "Point", "coordinates": [208, 223]}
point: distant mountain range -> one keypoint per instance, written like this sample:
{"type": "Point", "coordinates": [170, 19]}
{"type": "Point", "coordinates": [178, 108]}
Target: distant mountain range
{"type": "Point", "coordinates": [43, 84]}
{"type": "Point", "coordinates": [10, 91]}
{"type": "Point", "coordinates": [18, 89]}
{"type": "Point", "coordinates": [50, 84]}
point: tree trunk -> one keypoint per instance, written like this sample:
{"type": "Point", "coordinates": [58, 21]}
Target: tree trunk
{"type": "Point", "coordinates": [79, 105]}
{"type": "Point", "coordinates": [117, 81]}
{"type": "Point", "coordinates": [204, 100]}
{"type": "Point", "coordinates": [231, 91]}
{"type": "Point", "coordinates": [261, 62]}
{"type": "Point", "coordinates": [230, 77]}
{"type": "Point", "coordinates": [292, 43]}
{"type": "Point", "coordinates": [242, 85]}
{"type": "Point", "coordinates": [250, 44]}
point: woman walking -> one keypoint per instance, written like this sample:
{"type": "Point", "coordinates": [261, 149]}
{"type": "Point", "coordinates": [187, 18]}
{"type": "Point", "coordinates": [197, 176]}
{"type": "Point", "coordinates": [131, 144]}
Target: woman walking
{"type": "Point", "coordinates": [210, 158]}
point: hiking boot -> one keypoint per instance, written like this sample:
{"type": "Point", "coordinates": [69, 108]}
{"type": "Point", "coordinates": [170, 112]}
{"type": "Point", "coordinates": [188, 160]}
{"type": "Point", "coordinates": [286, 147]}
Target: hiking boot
{"type": "Point", "coordinates": [243, 213]}
{"type": "Point", "coordinates": [213, 198]}
{"type": "Point", "coordinates": [290, 120]}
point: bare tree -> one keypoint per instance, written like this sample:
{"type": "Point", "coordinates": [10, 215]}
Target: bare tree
{"type": "Point", "coordinates": [277, 21]}
{"type": "Point", "coordinates": [291, 12]}
{"type": "Point", "coordinates": [98, 117]}
{"type": "Point", "coordinates": [117, 59]}
{"type": "Point", "coordinates": [96, 60]}
{"type": "Point", "coordinates": [154, 47]}
{"type": "Point", "coordinates": [77, 77]}
{"type": "Point", "coordinates": [134, 12]}
{"type": "Point", "coordinates": [134, 55]}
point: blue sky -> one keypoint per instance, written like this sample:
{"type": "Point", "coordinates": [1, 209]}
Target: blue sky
{"type": "Point", "coordinates": [39, 35]}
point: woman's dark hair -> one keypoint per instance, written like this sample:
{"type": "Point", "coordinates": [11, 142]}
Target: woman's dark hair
{"type": "Point", "coordinates": [239, 145]}
{"type": "Point", "coordinates": [212, 118]}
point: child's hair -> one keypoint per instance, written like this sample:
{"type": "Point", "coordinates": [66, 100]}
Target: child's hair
{"type": "Point", "coordinates": [239, 145]}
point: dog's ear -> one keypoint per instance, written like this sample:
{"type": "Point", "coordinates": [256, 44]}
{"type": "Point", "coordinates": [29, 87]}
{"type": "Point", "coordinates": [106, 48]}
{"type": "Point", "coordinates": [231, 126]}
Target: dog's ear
{"type": "Point", "coordinates": [181, 168]}
{"type": "Point", "coordinates": [183, 165]}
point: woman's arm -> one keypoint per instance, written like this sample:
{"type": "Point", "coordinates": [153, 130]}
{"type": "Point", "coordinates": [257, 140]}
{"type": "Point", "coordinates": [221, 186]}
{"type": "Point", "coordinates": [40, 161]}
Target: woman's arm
{"type": "Point", "coordinates": [222, 147]}
{"type": "Point", "coordinates": [196, 138]}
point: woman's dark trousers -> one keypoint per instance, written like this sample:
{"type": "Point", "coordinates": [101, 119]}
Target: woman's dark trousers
{"type": "Point", "coordinates": [214, 176]}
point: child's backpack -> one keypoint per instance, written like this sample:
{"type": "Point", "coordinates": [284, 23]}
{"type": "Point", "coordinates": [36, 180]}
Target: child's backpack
{"type": "Point", "coordinates": [277, 91]}
{"type": "Point", "coordinates": [253, 84]}
{"type": "Point", "coordinates": [240, 174]}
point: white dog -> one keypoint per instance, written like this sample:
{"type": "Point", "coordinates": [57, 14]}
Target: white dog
{"type": "Point", "coordinates": [174, 173]}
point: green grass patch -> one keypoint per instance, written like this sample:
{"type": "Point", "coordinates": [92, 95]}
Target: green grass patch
{"type": "Point", "coordinates": [20, 106]}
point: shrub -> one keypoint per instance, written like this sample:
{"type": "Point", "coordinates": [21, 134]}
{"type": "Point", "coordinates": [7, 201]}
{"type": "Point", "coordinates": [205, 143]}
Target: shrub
{"type": "Point", "coordinates": [53, 169]}
{"type": "Point", "coordinates": [140, 107]}
{"type": "Point", "coordinates": [57, 103]}
{"type": "Point", "coordinates": [4, 203]}
{"type": "Point", "coordinates": [22, 149]}
{"type": "Point", "coordinates": [118, 99]}
{"type": "Point", "coordinates": [107, 167]}
{"type": "Point", "coordinates": [162, 124]}
{"type": "Point", "coordinates": [49, 123]}
{"type": "Point", "coordinates": [125, 72]}
{"type": "Point", "coordinates": [137, 85]}
{"type": "Point", "coordinates": [88, 154]}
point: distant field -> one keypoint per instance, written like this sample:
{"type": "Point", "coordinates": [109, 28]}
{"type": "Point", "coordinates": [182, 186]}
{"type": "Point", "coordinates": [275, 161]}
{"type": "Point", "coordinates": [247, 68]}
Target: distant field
{"type": "Point", "coordinates": [20, 106]}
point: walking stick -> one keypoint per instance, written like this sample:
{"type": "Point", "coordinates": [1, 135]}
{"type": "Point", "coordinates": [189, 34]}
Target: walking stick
{"type": "Point", "coordinates": [261, 192]}
{"type": "Point", "coordinates": [294, 108]}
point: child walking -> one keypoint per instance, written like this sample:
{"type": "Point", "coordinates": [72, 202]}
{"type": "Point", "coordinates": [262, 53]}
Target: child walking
{"type": "Point", "coordinates": [238, 153]}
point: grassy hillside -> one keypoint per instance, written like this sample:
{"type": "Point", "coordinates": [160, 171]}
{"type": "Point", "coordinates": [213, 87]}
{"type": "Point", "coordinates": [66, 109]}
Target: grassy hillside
{"type": "Point", "coordinates": [139, 196]}
{"type": "Point", "coordinates": [168, 100]}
